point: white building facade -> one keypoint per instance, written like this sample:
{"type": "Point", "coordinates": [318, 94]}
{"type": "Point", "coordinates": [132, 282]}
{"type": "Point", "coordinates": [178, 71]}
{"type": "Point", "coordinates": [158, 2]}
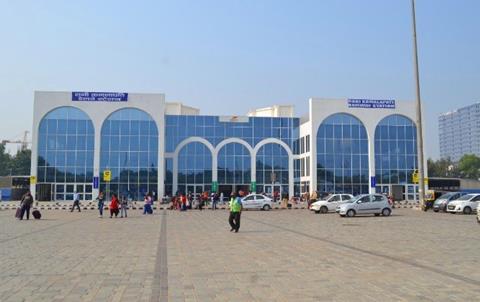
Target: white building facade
{"type": "Point", "coordinates": [149, 146]}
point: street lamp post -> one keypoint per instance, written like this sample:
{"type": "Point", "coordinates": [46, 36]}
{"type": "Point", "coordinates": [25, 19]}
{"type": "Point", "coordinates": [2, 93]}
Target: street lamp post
{"type": "Point", "coordinates": [421, 174]}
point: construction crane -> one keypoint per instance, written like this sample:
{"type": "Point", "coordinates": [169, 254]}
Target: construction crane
{"type": "Point", "coordinates": [23, 142]}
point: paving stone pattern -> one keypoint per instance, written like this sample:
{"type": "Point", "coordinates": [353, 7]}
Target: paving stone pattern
{"type": "Point", "coordinates": [283, 255]}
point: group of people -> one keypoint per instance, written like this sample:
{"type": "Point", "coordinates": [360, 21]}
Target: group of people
{"type": "Point", "coordinates": [121, 205]}
{"type": "Point", "coordinates": [184, 202]}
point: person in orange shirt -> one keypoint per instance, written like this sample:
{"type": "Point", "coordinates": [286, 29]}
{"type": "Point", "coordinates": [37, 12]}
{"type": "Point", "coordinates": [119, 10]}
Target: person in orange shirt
{"type": "Point", "coordinates": [114, 206]}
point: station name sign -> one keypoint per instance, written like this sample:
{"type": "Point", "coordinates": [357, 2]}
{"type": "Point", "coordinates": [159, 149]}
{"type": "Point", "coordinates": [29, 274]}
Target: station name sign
{"type": "Point", "coordinates": [81, 96]}
{"type": "Point", "coordinates": [371, 104]}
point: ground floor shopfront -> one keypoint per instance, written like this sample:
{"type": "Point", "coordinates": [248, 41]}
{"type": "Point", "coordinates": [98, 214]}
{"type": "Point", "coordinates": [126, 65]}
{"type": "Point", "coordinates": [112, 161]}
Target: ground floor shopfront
{"type": "Point", "coordinates": [148, 146]}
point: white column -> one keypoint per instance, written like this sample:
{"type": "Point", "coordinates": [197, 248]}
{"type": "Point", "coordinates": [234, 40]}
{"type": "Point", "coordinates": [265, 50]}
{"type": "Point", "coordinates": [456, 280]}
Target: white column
{"type": "Point", "coordinates": [96, 155]}
{"type": "Point", "coordinates": [290, 176]}
{"type": "Point", "coordinates": [175, 174]}
{"type": "Point", "coordinates": [371, 158]}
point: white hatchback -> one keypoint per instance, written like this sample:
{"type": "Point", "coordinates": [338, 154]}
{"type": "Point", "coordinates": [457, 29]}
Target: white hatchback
{"type": "Point", "coordinates": [330, 203]}
{"type": "Point", "coordinates": [465, 204]}
{"type": "Point", "coordinates": [257, 201]}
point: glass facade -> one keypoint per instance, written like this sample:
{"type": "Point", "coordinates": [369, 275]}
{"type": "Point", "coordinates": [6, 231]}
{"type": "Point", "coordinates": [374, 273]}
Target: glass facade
{"type": "Point", "coordinates": [272, 168]}
{"type": "Point", "coordinates": [395, 150]}
{"type": "Point", "coordinates": [342, 155]}
{"type": "Point", "coordinates": [211, 128]}
{"type": "Point", "coordinates": [194, 168]}
{"type": "Point", "coordinates": [65, 154]}
{"type": "Point", "coordinates": [234, 165]}
{"type": "Point", "coordinates": [234, 161]}
{"type": "Point", "coordinates": [129, 148]}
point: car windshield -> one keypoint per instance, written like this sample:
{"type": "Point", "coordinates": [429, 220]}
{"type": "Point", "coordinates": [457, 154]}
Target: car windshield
{"type": "Point", "coordinates": [355, 199]}
{"type": "Point", "coordinates": [466, 197]}
{"type": "Point", "coordinates": [447, 195]}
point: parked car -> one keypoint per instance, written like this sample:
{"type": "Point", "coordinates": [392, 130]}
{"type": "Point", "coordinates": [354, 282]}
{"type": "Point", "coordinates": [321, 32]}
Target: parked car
{"type": "Point", "coordinates": [366, 204]}
{"type": "Point", "coordinates": [466, 204]}
{"type": "Point", "coordinates": [441, 202]}
{"type": "Point", "coordinates": [330, 203]}
{"type": "Point", "coordinates": [257, 201]}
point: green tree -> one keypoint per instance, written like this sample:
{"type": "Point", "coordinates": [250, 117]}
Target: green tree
{"type": "Point", "coordinates": [469, 166]}
{"type": "Point", "coordinates": [20, 163]}
{"type": "Point", "coordinates": [442, 168]}
{"type": "Point", "coordinates": [5, 159]}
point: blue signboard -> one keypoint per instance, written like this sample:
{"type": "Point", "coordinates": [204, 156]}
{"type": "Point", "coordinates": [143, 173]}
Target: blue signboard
{"type": "Point", "coordinates": [373, 182]}
{"type": "Point", "coordinates": [81, 96]}
{"type": "Point", "coordinates": [371, 104]}
{"type": "Point", "coordinates": [95, 182]}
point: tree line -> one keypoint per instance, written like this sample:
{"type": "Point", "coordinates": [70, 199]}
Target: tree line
{"type": "Point", "coordinates": [467, 167]}
{"type": "Point", "coordinates": [18, 164]}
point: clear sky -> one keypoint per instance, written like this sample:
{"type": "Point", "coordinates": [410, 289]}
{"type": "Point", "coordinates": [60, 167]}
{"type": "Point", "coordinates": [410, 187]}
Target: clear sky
{"type": "Point", "coordinates": [227, 57]}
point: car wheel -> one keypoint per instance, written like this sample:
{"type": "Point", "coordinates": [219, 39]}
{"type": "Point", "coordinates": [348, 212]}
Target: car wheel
{"type": "Point", "coordinates": [350, 213]}
{"type": "Point", "coordinates": [323, 210]}
{"type": "Point", "coordinates": [478, 219]}
{"type": "Point", "coordinates": [386, 212]}
{"type": "Point", "coordinates": [266, 207]}
{"type": "Point", "coordinates": [467, 210]}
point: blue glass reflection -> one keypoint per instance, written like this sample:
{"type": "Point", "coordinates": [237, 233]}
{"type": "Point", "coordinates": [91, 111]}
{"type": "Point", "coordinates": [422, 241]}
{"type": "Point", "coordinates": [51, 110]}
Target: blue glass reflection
{"type": "Point", "coordinates": [129, 148]}
{"type": "Point", "coordinates": [395, 150]}
{"type": "Point", "coordinates": [342, 155]}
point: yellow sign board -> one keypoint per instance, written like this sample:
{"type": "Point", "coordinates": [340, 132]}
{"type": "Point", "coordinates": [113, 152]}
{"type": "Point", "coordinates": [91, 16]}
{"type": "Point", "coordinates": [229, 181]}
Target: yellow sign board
{"type": "Point", "coordinates": [33, 180]}
{"type": "Point", "coordinates": [107, 175]}
{"type": "Point", "coordinates": [415, 177]}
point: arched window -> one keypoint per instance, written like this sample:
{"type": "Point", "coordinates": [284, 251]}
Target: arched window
{"type": "Point", "coordinates": [129, 148]}
{"type": "Point", "coordinates": [342, 155]}
{"type": "Point", "coordinates": [194, 168]}
{"type": "Point", "coordinates": [395, 150]}
{"type": "Point", "coordinates": [65, 154]}
{"type": "Point", "coordinates": [234, 166]}
{"type": "Point", "coordinates": [272, 169]}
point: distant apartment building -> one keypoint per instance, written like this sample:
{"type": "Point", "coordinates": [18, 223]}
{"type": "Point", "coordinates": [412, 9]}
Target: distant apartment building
{"type": "Point", "coordinates": [459, 132]}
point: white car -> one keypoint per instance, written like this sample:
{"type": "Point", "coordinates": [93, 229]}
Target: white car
{"type": "Point", "coordinates": [465, 204]}
{"type": "Point", "coordinates": [257, 201]}
{"type": "Point", "coordinates": [365, 204]}
{"type": "Point", "coordinates": [330, 203]}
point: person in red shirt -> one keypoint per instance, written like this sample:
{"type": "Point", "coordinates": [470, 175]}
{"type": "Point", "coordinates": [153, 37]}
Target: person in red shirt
{"type": "Point", "coordinates": [114, 206]}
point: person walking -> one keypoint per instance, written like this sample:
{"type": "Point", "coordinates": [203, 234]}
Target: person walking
{"type": "Point", "coordinates": [76, 201]}
{"type": "Point", "coordinates": [114, 206]}
{"type": "Point", "coordinates": [235, 212]}
{"type": "Point", "coordinates": [214, 199]}
{"type": "Point", "coordinates": [123, 206]}
{"type": "Point", "coordinates": [25, 205]}
{"type": "Point", "coordinates": [101, 204]}
{"type": "Point", "coordinates": [312, 199]}
{"type": "Point", "coordinates": [147, 207]}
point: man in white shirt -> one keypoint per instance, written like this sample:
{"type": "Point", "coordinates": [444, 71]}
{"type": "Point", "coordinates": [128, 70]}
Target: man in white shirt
{"type": "Point", "coordinates": [76, 201]}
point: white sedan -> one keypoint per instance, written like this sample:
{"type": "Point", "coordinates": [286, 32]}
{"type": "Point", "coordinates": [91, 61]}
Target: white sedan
{"type": "Point", "coordinates": [465, 204]}
{"type": "Point", "coordinates": [330, 203]}
{"type": "Point", "coordinates": [257, 201]}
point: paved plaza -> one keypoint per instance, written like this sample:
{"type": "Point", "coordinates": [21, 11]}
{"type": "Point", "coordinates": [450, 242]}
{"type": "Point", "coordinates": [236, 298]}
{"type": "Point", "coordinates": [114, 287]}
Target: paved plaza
{"type": "Point", "coordinates": [281, 255]}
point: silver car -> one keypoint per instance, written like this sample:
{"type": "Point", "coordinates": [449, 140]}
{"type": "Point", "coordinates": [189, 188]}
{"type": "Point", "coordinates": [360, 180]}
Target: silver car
{"type": "Point", "coordinates": [366, 204]}
{"type": "Point", "coordinates": [442, 202]}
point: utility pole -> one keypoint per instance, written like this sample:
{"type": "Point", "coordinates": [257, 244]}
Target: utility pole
{"type": "Point", "coordinates": [421, 174]}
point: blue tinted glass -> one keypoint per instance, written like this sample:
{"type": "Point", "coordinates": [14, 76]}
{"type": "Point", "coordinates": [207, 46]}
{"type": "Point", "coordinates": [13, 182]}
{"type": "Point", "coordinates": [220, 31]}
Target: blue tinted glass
{"type": "Point", "coordinates": [395, 146]}
{"type": "Point", "coordinates": [341, 139]}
